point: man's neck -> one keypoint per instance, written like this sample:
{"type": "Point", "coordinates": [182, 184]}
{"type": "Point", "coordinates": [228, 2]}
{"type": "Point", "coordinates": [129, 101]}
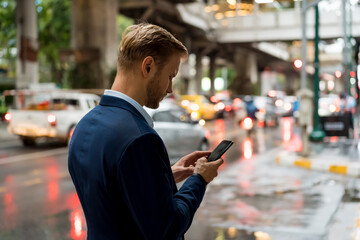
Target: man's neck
{"type": "Point", "coordinates": [131, 87]}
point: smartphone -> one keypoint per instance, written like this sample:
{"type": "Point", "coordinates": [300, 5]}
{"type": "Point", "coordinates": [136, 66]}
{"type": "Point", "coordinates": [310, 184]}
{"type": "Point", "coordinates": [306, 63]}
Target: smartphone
{"type": "Point", "coordinates": [220, 150]}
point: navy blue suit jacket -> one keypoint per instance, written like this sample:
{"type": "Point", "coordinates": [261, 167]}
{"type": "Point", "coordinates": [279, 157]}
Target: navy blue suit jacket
{"type": "Point", "coordinates": [122, 175]}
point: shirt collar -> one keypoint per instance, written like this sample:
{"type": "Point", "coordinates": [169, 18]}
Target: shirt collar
{"type": "Point", "coordinates": [134, 103]}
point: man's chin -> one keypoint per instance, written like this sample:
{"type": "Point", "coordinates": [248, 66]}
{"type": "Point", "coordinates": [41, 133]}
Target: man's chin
{"type": "Point", "coordinates": [153, 105]}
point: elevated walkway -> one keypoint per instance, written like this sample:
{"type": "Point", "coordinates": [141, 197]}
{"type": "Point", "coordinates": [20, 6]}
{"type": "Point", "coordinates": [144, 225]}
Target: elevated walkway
{"type": "Point", "coordinates": [284, 25]}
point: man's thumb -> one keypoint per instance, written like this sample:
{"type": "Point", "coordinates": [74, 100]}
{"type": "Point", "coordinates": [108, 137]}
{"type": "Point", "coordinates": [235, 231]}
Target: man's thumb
{"type": "Point", "coordinates": [219, 162]}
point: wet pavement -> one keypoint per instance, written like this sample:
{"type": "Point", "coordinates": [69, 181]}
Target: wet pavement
{"type": "Point", "coordinates": [252, 198]}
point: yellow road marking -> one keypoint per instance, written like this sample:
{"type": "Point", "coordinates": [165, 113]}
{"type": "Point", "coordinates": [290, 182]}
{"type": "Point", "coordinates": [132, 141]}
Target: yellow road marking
{"type": "Point", "coordinates": [338, 169]}
{"type": "Point", "coordinates": [303, 163]}
{"type": "Point", "coordinates": [2, 189]}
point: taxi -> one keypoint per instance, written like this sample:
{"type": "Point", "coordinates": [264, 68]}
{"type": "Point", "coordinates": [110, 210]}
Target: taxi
{"type": "Point", "coordinates": [198, 106]}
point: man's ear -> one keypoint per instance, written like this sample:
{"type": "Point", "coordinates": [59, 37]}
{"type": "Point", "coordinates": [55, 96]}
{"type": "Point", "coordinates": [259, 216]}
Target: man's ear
{"type": "Point", "coordinates": [147, 65]}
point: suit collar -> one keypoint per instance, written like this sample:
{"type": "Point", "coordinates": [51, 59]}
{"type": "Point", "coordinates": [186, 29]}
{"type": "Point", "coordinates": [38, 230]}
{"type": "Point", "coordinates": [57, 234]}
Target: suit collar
{"type": "Point", "coordinates": [107, 100]}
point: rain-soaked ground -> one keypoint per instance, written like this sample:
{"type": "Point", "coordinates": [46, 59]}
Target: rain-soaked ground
{"type": "Point", "coordinates": [252, 198]}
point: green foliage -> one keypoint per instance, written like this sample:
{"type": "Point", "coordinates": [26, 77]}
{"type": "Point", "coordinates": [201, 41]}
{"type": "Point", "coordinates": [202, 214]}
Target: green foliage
{"type": "Point", "coordinates": [54, 34]}
{"type": "Point", "coordinates": [122, 23]}
{"type": "Point", "coordinates": [7, 35]}
{"type": "Point", "coordinates": [7, 24]}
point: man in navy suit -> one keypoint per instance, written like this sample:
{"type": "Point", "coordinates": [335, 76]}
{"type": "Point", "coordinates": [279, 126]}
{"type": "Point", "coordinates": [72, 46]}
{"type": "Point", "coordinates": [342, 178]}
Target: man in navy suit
{"type": "Point", "coordinates": [119, 164]}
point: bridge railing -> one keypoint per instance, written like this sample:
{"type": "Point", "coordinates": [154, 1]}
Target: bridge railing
{"type": "Point", "coordinates": [269, 26]}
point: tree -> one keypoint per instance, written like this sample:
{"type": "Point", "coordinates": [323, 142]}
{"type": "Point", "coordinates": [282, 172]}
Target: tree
{"type": "Point", "coordinates": [54, 34]}
{"type": "Point", "coordinates": [7, 35]}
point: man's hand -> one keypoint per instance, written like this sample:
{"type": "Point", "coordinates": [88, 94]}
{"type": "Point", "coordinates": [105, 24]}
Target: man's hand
{"type": "Point", "coordinates": [186, 165]}
{"type": "Point", "coordinates": [208, 170]}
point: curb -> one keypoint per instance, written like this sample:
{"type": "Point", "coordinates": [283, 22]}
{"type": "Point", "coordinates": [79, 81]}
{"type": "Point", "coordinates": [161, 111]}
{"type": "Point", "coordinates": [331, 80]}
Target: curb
{"type": "Point", "coordinates": [342, 167]}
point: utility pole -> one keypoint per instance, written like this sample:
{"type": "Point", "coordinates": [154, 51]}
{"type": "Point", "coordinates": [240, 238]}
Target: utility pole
{"type": "Point", "coordinates": [303, 45]}
{"type": "Point", "coordinates": [306, 112]}
{"type": "Point", "coordinates": [346, 49]}
{"type": "Point", "coordinates": [317, 134]}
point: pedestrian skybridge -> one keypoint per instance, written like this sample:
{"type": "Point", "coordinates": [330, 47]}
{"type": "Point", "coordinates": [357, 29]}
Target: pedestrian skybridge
{"type": "Point", "coordinates": [284, 25]}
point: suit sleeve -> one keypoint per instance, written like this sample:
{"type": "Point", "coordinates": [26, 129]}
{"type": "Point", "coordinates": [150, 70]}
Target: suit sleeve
{"type": "Point", "coordinates": [146, 184]}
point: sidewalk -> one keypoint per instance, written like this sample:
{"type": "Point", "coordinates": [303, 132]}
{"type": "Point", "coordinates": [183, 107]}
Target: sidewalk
{"type": "Point", "coordinates": [339, 155]}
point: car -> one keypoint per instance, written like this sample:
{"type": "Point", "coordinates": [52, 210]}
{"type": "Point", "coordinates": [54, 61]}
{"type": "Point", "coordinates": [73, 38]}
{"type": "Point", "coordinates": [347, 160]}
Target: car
{"type": "Point", "coordinates": [290, 106]}
{"type": "Point", "coordinates": [239, 107]}
{"type": "Point", "coordinates": [267, 111]}
{"type": "Point", "coordinates": [47, 114]}
{"type": "Point", "coordinates": [199, 107]}
{"type": "Point", "coordinates": [181, 134]}
{"type": "Point", "coordinates": [329, 105]}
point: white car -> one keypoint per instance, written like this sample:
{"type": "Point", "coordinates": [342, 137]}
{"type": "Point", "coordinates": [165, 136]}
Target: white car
{"type": "Point", "coordinates": [180, 134]}
{"type": "Point", "coordinates": [47, 114]}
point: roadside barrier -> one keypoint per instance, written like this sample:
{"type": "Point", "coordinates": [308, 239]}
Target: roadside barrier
{"type": "Point", "coordinates": [342, 167]}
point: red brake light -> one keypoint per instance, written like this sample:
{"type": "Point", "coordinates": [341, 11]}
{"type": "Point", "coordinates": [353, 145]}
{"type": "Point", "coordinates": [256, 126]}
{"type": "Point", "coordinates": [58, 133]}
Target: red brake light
{"type": "Point", "coordinates": [214, 99]}
{"type": "Point", "coordinates": [52, 119]}
{"type": "Point", "coordinates": [237, 101]}
{"type": "Point", "coordinates": [8, 117]}
{"type": "Point", "coordinates": [247, 123]}
{"type": "Point", "coordinates": [219, 106]}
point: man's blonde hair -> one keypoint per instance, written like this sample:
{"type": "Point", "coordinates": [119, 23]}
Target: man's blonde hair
{"type": "Point", "coordinates": [144, 39]}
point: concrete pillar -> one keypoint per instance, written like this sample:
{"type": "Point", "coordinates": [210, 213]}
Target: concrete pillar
{"type": "Point", "coordinates": [199, 73]}
{"type": "Point", "coordinates": [94, 40]}
{"type": "Point", "coordinates": [247, 73]}
{"type": "Point", "coordinates": [27, 69]}
{"type": "Point", "coordinates": [212, 69]}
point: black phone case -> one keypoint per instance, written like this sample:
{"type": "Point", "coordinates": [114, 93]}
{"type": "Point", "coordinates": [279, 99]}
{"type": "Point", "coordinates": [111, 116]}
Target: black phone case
{"type": "Point", "coordinates": [220, 150]}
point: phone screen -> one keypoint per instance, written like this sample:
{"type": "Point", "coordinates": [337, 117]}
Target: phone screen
{"type": "Point", "coordinates": [220, 150]}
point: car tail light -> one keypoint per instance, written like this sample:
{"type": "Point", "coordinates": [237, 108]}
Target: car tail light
{"type": "Point", "coordinates": [287, 106]}
{"type": "Point", "coordinates": [52, 119]}
{"type": "Point", "coordinates": [185, 103]}
{"type": "Point", "coordinates": [71, 132]}
{"type": "Point", "coordinates": [247, 123]}
{"type": "Point", "coordinates": [194, 107]}
{"type": "Point", "coordinates": [262, 110]}
{"type": "Point", "coordinates": [237, 100]}
{"type": "Point", "coordinates": [228, 108]}
{"type": "Point", "coordinates": [219, 106]}
{"type": "Point", "coordinates": [332, 108]}
{"type": "Point", "coordinates": [279, 103]}
{"type": "Point", "coordinates": [214, 99]}
{"type": "Point", "coordinates": [8, 117]}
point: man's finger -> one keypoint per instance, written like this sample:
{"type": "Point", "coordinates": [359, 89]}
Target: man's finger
{"type": "Point", "coordinates": [202, 159]}
{"type": "Point", "coordinates": [218, 162]}
{"type": "Point", "coordinates": [200, 154]}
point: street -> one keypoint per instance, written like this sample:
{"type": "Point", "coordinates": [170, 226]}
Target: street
{"type": "Point", "coordinates": [252, 198]}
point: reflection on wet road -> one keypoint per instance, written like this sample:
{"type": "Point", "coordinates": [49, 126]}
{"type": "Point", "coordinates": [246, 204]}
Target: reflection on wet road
{"type": "Point", "coordinates": [252, 198]}
{"type": "Point", "coordinates": [38, 200]}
